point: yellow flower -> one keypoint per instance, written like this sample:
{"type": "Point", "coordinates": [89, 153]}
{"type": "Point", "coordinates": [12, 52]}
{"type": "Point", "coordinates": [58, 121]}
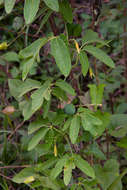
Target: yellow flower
{"type": "Point", "coordinates": [29, 179]}
{"type": "Point", "coordinates": [3, 46]}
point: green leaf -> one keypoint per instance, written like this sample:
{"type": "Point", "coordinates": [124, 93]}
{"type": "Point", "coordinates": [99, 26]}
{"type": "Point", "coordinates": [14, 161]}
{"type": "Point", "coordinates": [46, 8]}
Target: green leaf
{"type": "Point", "coordinates": [35, 125]}
{"type": "Point", "coordinates": [96, 93]}
{"type": "Point", "coordinates": [92, 37]}
{"type": "Point", "coordinates": [68, 172]}
{"type": "Point", "coordinates": [26, 108]}
{"type": "Point", "coordinates": [33, 49]}
{"type": "Point", "coordinates": [59, 119]}
{"type": "Point", "coordinates": [116, 182]}
{"type": "Point", "coordinates": [122, 143]}
{"type": "Point", "coordinates": [9, 4]}
{"type": "Point", "coordinates": [47, 183]}
{"type": "Point", "coordinates": [108, 173]}
{"type": "Point", "coordinates": [95, 150]}
{"type": "Point", "coordinates": [37, 137]}
{"type": "Point", "coordinates": [74, 129]}
{"type": "Point", "coordinates": [46, 164]}
{"type": "Point", "coordinates": [67, 123]}
{"type": "Point", "coordinates": [66, 11]}
{"type": "Point", "coordinates": [46, 107]}
{"type": "Point", "coordinates": [84, 62]}
{"type": "Point", "coordinates": [84, 166]}
{"type": "Point", "coordinates": [52, 4]}
{"type": "Point", "coordinates": [66, 87]}
{"type": "Point", "coordinates": [30, 10]}
{"type": "Point", "coordinates": [39, 95]}
{"type": "Point", "coordinates": [28, 85]}
{"type": "Point", "coordinates": [89, 121]}
{"type": "Point", "coordinates": [99, 54]}
{"type": "Point", "coordinates": [26, 66]}
{"type": "Point", "coordinates": [14, 84]}
{"type": "Point", "coordinates": [11, 56]}
{"type": "Point", "coordinates": [59, 93]}
{"type": "Point", "coordinates": [105, 118]}
{"type": "Point", "coordinates": [22, 175]}
{"type": "Point", "coordinates": [62, 56]}
{"type": "Point", "coordinates": [59, 167]}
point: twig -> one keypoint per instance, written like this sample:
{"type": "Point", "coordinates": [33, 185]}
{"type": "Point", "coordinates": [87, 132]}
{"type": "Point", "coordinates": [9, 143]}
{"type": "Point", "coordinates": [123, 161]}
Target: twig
{"type": "Point", "coordinates": [108, 144]}
{"type": "Point", "coordinates": [20, 125]}
{"type": "Point", "coordinates": [5, 176]}
{"type": "Point", "coordinates": [7, 167]}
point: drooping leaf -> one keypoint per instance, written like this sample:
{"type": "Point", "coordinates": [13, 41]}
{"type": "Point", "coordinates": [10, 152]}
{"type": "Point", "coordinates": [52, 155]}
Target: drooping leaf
{"type": "Point", "coordinates": [92, 37]}
{"type": "Point", "coordinates": [46, 107]}
{"type": "Point", "coordinates": [54, 5]}
{"type": "Point", "coordinates": [116, 182]}
{"type": "Point", "coordinates": [26, 108]}
{"type": "Point", "coordinates": [30, 10]}
{"type": "Point", "coordinates": [14, 84]}
{"type": "Point", "coordinates": [74, 129]}
{"type": "Point", "coordinates": [84, 62]}
{"type": "Point", "coordinates": [40, 134]}
{"type": "Point", "coordinates": [66, 11]}
{"type": "Point", "coordinates": [9, 4]}
{"type": "Point", "coordinates": [84, 166]}
{"type": "Point", "coordinates": [35, 125]}
{"type": "Point", "coordinates": [33, 49]}
{"type": "Point", "coordinates": [99, 54]}
{"type": "Point", "coordinates": [28, 85]}
{"type": "Point", "coordinates": [105, 118]}
{"type": "Point", "coordinates": [11, 56]}
{"type": "Point", "coordinates": [66, 87]}
{"type": "Point", "coordinates": [89, 121]}
{"type": "Point", "coordinates": [122, 143]}
{"type": "Point", "coordinates": [39, 95]}
{"type": "Point", "coordinates": [58, 167]}
{"type": "Point", "coordinates": [23, 175]}
{"type": "Point", "coordinates": [68, 172]}
{"type": "Point", "coordinates": [96, 93]}
{"type": "Point", "coordinates": [26, 66]}
{"type": "Point", "coordinates": [47, 183]}
{"type": "Point", "coordinates": [67, 124]}
{"type": "Point", "coordinates": [62, 56]}
{"type": "Point", "coordinates": [108, 173]}
{"type": "Point", "coordinates": [95, 150]}
{"type": "Point", "coordinates": [59, 93]}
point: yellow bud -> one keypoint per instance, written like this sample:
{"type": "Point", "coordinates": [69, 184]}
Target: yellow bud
{"type": "Point", "coordinates": [55, 150]}
{"type": "Point", "coordinates": [77, 46]}
{"type": "Point", "coordinates": [91, 73]}
{"type": "Point", "coordinates": [8, 110]}
{"type": "Point", "coordinates": [29, 179]}
{"type": "Point", "coordinates": [3, 46]}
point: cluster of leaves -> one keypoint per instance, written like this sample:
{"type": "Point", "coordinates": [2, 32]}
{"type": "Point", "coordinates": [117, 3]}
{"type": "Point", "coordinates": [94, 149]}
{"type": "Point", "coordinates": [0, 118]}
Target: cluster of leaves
{"type": "Point", "coordinates": [63, 118]}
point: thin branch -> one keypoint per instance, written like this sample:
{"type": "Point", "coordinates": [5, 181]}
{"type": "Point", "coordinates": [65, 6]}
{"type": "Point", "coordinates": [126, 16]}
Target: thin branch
{"type": "Point", "coordinates": [7, 167]}
{"type": "Point", "coordinates": [8, 178]}
{"type": "Point", "coordinates": [20, 125]}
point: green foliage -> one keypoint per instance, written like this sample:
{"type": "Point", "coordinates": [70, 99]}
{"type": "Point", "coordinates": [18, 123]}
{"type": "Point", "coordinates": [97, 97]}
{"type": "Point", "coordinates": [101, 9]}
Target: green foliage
{"type": "Point", "coordinates": [9, 4]}
{"type": "Point", "coordinates": [62, 95]}
{"type": "Point", "coordinates": [61, 54]}
{"type": "Point", "coordinates": [30, 10]}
